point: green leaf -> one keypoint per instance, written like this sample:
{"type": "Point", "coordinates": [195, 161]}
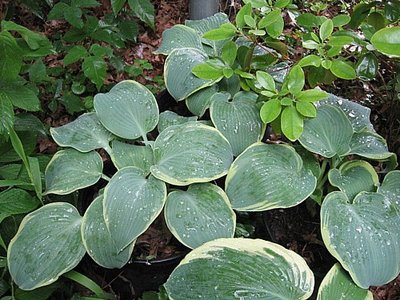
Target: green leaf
{"type": "Point", "coordinates": [33, 39]}
{"type": "Point", "coordinates": [144, 10]}
{"type": "Point", "coordinates": [128, 155]}
{"type": "Point", "coordinates": [37, 72]}
{"type": "Point", "coordinates": [200, 101]}
{"type": "Point", "coordinates": [270, 18]}
{"type": "Point", "coordinates": [266, 80]}
{"type": "Point", "coordinates": [250, 21]}
{"type": "Point", "coordinates": [20, 96]}
{"type": "Point", "coordinates": [353, 177]}
{"type": "Point", "coordinates": [326, 30]}
{"type": "Point", "coordinates": [117, 5]}
{"type": "Point", "coordinates": [340, 20]}
{"type": "Point", "coordinates": [179, 79]}
{"type": "Point", "coordinates": [131, 203]}
{"type": "Point", "coordinates": [98, 241]}
{"type": "Point", "coordinates": [387, 41]}
{"type": "Point", "coordinates": [70, 170]}
{"type": "Point", "coordinates": [339, 41]}
{"type": "Point", "coordinates": [306, 109]}
{"type": "Point", "coordinates": [229, 52]}
{"type": "Point", "coordinates": [283, 272]}
{"type": "Point", "coordinates": [363, 235]}
{"type": "Point", "coordinates": [129, 110]}
{"type": "Point", "coordinates": [191, 153]}
{"type": "Point", "coordinates": [95, 68]}
{"type": "Point", "coordinates": [337, 284]}
{"type": "Point", "coordinates": [73, 15]}
{"type": "Point", "coordinates": [244, 11]}
{"type": "Point", "coordinates": [270, 170]}
{"type": "Point", "coordinates": [129, 30]}
{"type": "Point", "coordinates": [326, 64]}
{"type": "Point", "coordinates": [202, 213]}
{"type": "Point", "coordinates": [208, 71]}
{"type": "Point", "coordinates": [343, 70]}
{"type": "Point", "coordinates": [312, 95]}
{"type": "Point", "coordinates": [179, 36]}
{"type": "Point", "coordinates": [169, 118]}
{"type": "Point", "coordinates": [74, 54]}
{"type": "Point", "coordinates": [11, 57]}
{"type": "Point", "coordinates": [6, 114]}
{"type": "Point", "coordinates": [48, 244]}
{"type": "Point", "coordinates": [308, 20]}
{"type": "Point", "coordinates": [367, 66]}
{"type": "Point", "coordinates": [16, 201]}
{"type": "Point", "coordinates": [238, 120]}
{"type": "Point", "coordinates": [57, 11]}
{"type": "Point", "coordinates": [369, 145]}
{"type": "Point", "coordinates": [276, 28]}
{"type": "Point", "coordinates": [282, 3]}
{"type": "Point", "coordinates": [328, 134]}
{"type": "Point", "coordinates": [270, 110]}
{"type": "Point", "coordinates": [225, 31]}
{"type": "Point", "coordinates": [85, 134]}
{"type": "Point", "coordinates": [291, 123]}
{"type": "Point", "coordinates": [310, 60]}
{"type": "Point", "coordinates": [295, 80]}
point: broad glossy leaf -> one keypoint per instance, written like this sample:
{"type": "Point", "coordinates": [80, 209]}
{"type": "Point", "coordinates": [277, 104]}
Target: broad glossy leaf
{"type": "Point", "coordinates": [312, 95]}
{"type": "Point", "coordinates": [74, 54]}
{"type": "Point", "coordinates": [179, 79]}
{"type": "Point", "coordinates": [202, 213]}
{"type": "Point", "coordinates": [343, 70]}
{"type": "Point", "coordinates": [21, 96]}
{"type": "Point", "coordinates": [208, 71]}
{"type": "Point", "coordinates": [369, 145]}
{"type": "Point", "coordinates": [265, 80]}
{"type": "Point", "coordinates": [238, 120]}
{"type": "Point", "coordinates": [191, 153]}
{"type": "Point", "coordinates": [354, 177]}
{"type": "Point", "coordinates": [326, 29]}
{"type": "Point", "coordinates": [306, 109]}
{"type": "Point", "coordinates": [295, 80]}
{"type": "Point", "coordinates": [270, 110]}
{"type": "Point", "coordinates": [85, 134]}
{"type": "Point", "coordinates": [131, 203]}
{"type": "Point", "coordinates": [47, 245]}
{"type": "Point", "coordinates": [70, 170]}
{"type": "Point", "coordinates": [338, 285]}
{"type": "Point", "coordinates": [328, 134]}
{"type": "Point", "coordinates": [387, 41]}
{"type": "Point", "coordinates": [367, 66]}
{"type": "Point", "coordinates": [98, 241]}
{"type": "Point", "coordinates": [200, 101]}
{"type": "Point", "coordinates": [144, 10]}
{"type": "Point", "coordinates": [292, 123]}
{"type": "Point", "coordinates": [169, 118]}
{"type": "Point", "coordinates": [390, 187]}
{"type": "Point", "coordinates": [128, 155]}
{"type": "Point", "coordinates": [179, 36]}
{"type": "Point", "coordinates": [364, 235]}
{"type": "Point", "coordinates": [95, 68]}
{"type": "Point", "coordinates": [340, 20]}
{"type": "Point", "coordinates": [257, 270]}
{"type": "Point", "coordinates": [16, 201]}
{"type": "Point", "coordinates": [310, 60]}
{"type": "Point", "coordinates": [260, 178]}
{"type": "Point", "coordinates": [129, 110]}
{"type": "Point", "coordinates": [275, 29]}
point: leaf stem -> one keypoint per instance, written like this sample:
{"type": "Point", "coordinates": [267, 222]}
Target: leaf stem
{"type": "Point", "coordinates": [105, 177]}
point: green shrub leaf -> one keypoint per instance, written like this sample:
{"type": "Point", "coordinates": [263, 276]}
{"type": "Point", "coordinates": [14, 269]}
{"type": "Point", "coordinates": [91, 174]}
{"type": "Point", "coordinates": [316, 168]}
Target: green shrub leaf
{"type": "Point", "coordinates": [144, 10]}
{"type": "Point", "coordinates": [74, 54]}
{"type": "Point", "coordinates": [292, 123]}
{"type": "Point", "coordinates": [295, 80]}
{"type": "Point", "coordinates": [95, 68]}
{"type": "Point", "coordinates": [270, 110]}
{"type": "Point", "coordinates": [311, 95]}
{"type": "Point", "coordinates": [325, 30]}
{"type": "Point", "coordinates": [387, 41]}
{"type": "Point", "coordinates": [343, 70]}
{"type": "Point", "coordinates": [16, 201]}
{"type": "Point", "coordinates": [208, 71]}
{"type": "Point", "coordinates": [306, 109]}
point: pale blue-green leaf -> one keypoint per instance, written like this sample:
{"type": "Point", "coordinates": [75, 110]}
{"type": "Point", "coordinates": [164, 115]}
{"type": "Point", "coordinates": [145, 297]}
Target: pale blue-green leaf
{"type": "Point", "coordinates": [179, 36]}
{"type": "Point", "coordinates": [329, 133]}
{"type": "Point", "coordinates": [169, 118]}
{"type": "Point", "coordinates": [260, 178]}
{"type": "Point", "coordinates": [337, 284]}
{"type": "Point", "coordinates": [48, 244]}
{"type": "Point", "coordinates": [202, 213]}
{"type": "Point", "coordinates": [191, 153]}
{"type": "Point", "coordinates": [310, 162]}
{"type": "Point", "coordinates": [257, 270]}
{"type": "Point", "coordinates": [238, 120]}
{"type": "Point", "coordinates": [369, 145]}
{"type": "Point", "coordinates": [70, 170]}
{"type": "Point", "coordinates": [129, 110]}
{"type": "Point", "coordinates": [200, 101]}
{"type": "Point", "coordinates": [131, 203]}
{"type": "Point", "coordinates": [98, 241]}
{"type": "Point", "coordinates": [128, 155]}
{"type": "Point", "coordinates": [179, 80]}
{"type": "Point", "coordinates": [390, 187]}
{"type": "Point", "coordinates": [16, 201]}
{"type": "Point", "coordinates": [363, 235]}
{"type": "Point", "coordinates": [353, 177]}
{"type": "Point", "coordinates": [85, 134]}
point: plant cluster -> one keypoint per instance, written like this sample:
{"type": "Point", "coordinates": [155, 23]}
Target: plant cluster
{"type": "Point", "coordinates": [241, 76]}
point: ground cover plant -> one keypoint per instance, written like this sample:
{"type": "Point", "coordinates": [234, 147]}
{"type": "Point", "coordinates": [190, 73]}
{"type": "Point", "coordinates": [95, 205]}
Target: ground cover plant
{"type": "Point", "coordinates": [238, 80]}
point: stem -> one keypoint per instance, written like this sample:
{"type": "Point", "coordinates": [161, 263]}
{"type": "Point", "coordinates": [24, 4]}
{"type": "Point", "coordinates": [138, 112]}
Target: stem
{"type": "Point", "coordinates": [105, 177]}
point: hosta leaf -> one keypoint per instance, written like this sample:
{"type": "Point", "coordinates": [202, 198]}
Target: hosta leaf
{"type": "Point", "coordinates": [260, 178]}
{"type": "Point", "coordinates": [169, 118]}
{"type": "Point", "coordinates": [70, 170]}
{"type": "Point", "coordinates": [257, 270]}
{"type": "Point", "coordinates": [131, 203]}
{"type": "Point", "coordinates": [85, 134]}
{"type": "Point", "coordinates": [191, 153]}
{"type": "Point", "coordinates": [47, 245]}
{"type": "Point", "coordinates": [200, 101]}
{"type": "Point", "coordinates": [329, 133]}
{"type": "Point", "coordinates": [144, 10]}
{"type": "Point", "coordinates": [200, 214]}
{"type": "Point", "coordinates": [354, 177]}
{"type": "Point", "coordinates": [98, 241]}
{"type": "Point", "coordinates": [16, 201]}
{"type": "Point", "coordinates": [387, 41]}
{"type": "Point", "coordinates": [390, 187]}
{"type": "Point", "coordinates": [128, 155]}
{"type": "Point", "coordinates": [128, 110]}
{"type": "Point", "coordinates": [179, 36]}
{"type": "Point", "coordinates": [179, 79]}
{"type": "Point", "coordinates": [338, 285]}
{"type": "Point", "coordinates": [238, 120]}
{"type": "Point", "coordinates": [363, 235]}
{"type": "Point", "coordinates": [370, 145]}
